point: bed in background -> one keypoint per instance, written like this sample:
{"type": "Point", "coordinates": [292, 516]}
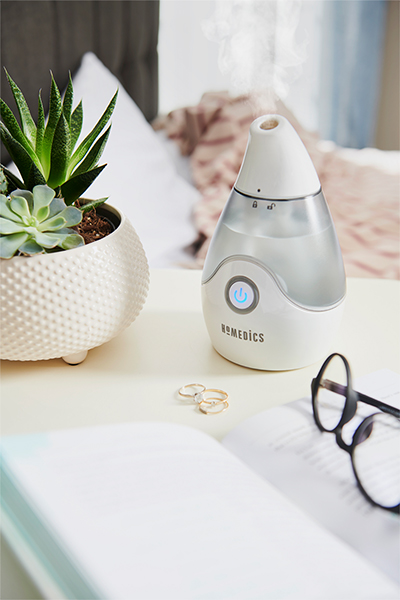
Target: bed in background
{"type": "Point", "coordinates": [172, 184]}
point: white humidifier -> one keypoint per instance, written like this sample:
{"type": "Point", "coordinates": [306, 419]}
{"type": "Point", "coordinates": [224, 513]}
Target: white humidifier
{"type": "Point", "coordinates": [273, 283]}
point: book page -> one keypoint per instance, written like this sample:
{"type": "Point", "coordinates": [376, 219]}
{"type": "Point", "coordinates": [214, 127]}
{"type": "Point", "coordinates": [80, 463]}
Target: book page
{"type": "Point", "coordinates": [150, 510]}
{"type": "Point", "coordinates": [285, 446]}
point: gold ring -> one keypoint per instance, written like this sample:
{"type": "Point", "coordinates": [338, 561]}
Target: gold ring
{"type": "Point", "coordinates": [212, 399]}
{"type": "Point", "coordinates": [210, 409]}
{"type": "Point", "coordinates": [193, 386]}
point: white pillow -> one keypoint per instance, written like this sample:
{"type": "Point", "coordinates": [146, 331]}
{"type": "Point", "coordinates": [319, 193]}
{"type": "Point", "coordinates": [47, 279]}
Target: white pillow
{"type": "Point", "coordinates": [140, 177]}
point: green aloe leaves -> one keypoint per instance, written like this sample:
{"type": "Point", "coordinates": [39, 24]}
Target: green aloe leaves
{"type": "Point", "coordinates": [46, 152]}
{"type": "Point", "coordinates": [36, 222]}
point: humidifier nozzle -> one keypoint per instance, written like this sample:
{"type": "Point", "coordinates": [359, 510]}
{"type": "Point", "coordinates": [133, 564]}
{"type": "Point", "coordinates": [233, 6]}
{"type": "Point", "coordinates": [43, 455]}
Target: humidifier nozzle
{"type": "Point", "coordinates": [276, 164]}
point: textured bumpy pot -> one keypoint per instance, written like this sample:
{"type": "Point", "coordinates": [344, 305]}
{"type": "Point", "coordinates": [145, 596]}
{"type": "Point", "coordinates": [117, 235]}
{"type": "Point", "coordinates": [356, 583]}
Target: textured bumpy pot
{"type": "Point", "coordinates": [65, 303]}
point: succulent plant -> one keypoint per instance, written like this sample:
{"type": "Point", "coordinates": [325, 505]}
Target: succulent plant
{"type": "Point", "coordinates": [45, 152]}
{"type": "Point", "coordinates": [36, 222]}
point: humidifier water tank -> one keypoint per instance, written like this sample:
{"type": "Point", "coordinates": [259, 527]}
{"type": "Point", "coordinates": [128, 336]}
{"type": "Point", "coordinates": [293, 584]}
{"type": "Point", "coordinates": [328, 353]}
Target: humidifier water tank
{"type": "Point", "coordinates": [273, 283]}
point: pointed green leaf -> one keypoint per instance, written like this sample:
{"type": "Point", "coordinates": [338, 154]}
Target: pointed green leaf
{"type": "Point", "coordinates": [68, 99]}
{"type": "Point", "coordinates": [85, 146]}
{"type": "Point", "coordinates": [76, 124]}
{"type": "Point", "coordinates": [60, 153]}
{"type": "Point", "coordinates": [9, 244]}
{"type": "Point", "coordinates": [94, 155]}
{"type": "Point", "coordinates": [54, 115]}
{"type": "Point", "coordinates": [92, 204]}
{"type": "Point", "coordinates": [17, 152]}
{"type": "Point", "coordinates": [27, 123]}
{"type": "Point", "coordinates": [13, 127]}
{"type": "Point", "coordinates": [72, 189]}
{"type": "Point", "coordinates": [12, 180]}
{"type": "Point", "coordinates": [40, 128]}
{"type": "Point", "coordinates": [35, 177]}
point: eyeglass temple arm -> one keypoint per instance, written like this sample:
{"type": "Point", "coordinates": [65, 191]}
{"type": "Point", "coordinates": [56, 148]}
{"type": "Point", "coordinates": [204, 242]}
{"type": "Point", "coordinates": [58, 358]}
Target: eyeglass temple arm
{"type": "Point", "coordinates": [341, 389]}
{"type": "Point", "coordinates": [386, 408]}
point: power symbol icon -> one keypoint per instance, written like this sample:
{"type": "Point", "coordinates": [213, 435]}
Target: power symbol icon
{"type": "Point", "coordinates": [241, 296]}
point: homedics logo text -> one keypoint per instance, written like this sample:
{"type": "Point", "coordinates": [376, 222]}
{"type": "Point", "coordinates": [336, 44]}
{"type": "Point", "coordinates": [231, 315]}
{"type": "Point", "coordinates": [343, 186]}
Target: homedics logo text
{"type": "Point", "coordinates": [247, 336]}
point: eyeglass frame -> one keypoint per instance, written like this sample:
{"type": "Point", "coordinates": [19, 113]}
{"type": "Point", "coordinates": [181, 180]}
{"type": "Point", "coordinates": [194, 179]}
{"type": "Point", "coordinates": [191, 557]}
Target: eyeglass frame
{"type": "Point", "coordinates": [349, 410]}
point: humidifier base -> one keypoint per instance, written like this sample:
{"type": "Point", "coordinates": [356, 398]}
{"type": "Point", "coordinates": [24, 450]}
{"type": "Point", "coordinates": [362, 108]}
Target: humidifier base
{"type": "Point", "coordinates": [251, 321]}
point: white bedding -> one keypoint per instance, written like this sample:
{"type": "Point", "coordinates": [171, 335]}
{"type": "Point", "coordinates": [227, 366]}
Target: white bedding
{"type": "Point", "coordinates": [140, 178]}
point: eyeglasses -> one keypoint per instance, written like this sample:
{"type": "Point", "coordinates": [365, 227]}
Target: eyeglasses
{"type": "Point", "coordinates": [375, 446]}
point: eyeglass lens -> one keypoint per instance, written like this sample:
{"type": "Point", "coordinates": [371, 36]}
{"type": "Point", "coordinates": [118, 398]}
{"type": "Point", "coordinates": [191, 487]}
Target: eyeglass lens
{"type": "Point", "coordinates": [331, 394]}
{"type": "Point", "coordinates": [376, 458]}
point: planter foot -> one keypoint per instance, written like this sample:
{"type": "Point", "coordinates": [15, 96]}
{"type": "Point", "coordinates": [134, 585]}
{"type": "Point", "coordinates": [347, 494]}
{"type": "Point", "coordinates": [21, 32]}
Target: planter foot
{"type": "Point", "coordinates": [75, 359]}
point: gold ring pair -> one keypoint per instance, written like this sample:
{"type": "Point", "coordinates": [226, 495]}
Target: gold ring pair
{"type": "Point", "coordinates": [208, 404]}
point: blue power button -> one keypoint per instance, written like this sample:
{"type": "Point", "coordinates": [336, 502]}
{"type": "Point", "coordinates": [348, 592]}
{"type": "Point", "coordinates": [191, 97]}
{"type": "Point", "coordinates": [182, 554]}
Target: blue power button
{"type": "Point", "coordinates": [241, 294]}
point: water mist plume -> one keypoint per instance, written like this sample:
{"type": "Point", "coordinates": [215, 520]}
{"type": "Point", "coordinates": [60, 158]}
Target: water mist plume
{"type": "Point", "coordinates": [258, 49]}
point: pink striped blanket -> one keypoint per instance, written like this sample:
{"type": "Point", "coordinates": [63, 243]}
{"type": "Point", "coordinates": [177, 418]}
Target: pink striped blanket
{"type": "Point", "coordinates": [362, 193]}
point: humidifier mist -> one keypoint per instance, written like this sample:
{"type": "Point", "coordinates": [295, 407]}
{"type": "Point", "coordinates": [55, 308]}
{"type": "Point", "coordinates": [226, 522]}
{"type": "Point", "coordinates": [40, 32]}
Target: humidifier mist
{"type": "Point", "coordinates": [273, 283]}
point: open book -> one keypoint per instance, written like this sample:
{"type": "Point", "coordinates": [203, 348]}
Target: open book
{"type": "Point", "coordinates": [163, 511]}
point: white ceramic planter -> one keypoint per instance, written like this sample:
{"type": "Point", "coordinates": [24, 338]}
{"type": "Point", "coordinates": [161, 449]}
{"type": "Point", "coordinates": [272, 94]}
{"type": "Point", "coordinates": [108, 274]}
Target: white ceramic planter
{"type": "Point", "coordinates": [65, 303]}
